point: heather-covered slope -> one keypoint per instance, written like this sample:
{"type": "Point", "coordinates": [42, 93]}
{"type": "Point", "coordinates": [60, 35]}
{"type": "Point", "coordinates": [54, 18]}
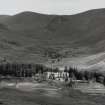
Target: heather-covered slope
{"type": "Point", "coordinates": [28, 36]}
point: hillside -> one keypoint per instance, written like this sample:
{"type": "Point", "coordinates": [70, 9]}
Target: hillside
{"type": "Point", "coordinates": [28, 36]}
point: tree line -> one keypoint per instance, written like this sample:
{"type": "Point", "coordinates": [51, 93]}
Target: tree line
{"type": "Point", "coordinates": [96, 76]}
{"type": "Point", "coordinates": [21, 70]}
{"type": "Point", "coordinates": [29, 70]}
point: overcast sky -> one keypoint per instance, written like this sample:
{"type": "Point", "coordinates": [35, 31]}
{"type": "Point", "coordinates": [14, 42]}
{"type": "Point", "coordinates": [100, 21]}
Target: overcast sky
{"type": "Point", "coordinates": [49, 6]}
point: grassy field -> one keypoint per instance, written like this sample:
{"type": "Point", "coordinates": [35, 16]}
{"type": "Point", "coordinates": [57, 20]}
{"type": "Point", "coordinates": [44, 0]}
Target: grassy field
{"type": "Point", "coordinates": [66, 96]}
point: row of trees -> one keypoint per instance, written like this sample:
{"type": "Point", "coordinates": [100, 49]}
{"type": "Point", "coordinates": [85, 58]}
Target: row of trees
{"type": "Point", "coordinates": [21, 70]}
{"type": "Point", "coordinates": [29, 70]}
{"type": "Point", "coordinates": [85, 75]}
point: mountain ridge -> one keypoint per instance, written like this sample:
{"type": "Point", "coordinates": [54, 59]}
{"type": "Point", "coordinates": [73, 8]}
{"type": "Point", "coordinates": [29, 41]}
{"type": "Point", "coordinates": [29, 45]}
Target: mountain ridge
{"type": "Point", "coordinates": [27, 36]}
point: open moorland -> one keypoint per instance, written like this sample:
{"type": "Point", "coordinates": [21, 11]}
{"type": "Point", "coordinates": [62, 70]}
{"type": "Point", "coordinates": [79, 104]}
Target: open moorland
{"type": "Point", "coordinates": [28, 93]}
{"type": "Point", "coordinates": [52, 60]}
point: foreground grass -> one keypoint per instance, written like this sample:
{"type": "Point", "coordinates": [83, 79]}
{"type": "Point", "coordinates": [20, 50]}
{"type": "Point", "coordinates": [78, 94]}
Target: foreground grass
{"type": "Point", "coordinates": [68, 97]}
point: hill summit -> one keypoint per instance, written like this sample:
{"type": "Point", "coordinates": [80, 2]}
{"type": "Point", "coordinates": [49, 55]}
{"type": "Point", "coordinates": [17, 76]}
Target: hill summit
{"type": "Point", "coordinates": [29, 36]}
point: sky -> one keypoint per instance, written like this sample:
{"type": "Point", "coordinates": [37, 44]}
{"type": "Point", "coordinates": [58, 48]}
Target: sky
{"type": "Point", "coordinates": [66, 7]}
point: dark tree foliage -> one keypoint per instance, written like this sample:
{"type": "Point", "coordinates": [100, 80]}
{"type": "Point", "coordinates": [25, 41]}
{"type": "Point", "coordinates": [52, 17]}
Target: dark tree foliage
{"type": "Point", "coordinates": [21, 70]}
{"type": "Point", "coordinates": [29, 70]}
{"type": "Point", "coordinates": [85, 75]}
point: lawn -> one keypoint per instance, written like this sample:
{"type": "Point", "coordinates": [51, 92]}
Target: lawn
{"type": "Point", "coordinates": [66, 97]}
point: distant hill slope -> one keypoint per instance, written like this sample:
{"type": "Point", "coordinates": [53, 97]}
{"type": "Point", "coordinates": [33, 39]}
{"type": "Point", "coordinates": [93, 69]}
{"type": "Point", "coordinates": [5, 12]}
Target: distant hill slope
{"type": "Point", "coordinates": [28, 36]}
